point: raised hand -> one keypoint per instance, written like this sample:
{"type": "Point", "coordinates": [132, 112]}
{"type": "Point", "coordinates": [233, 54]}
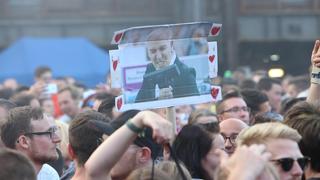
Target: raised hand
{"type": "Point", "coordinates": [161, 128]}
{"type": "Point", "coordinates": [315, 57]}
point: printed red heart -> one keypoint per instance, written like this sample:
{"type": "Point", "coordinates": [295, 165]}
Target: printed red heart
{"type": "Point", "coordinates": [115, 64]}
{"type": "Point", "coordinates": [118, 37]}
{"type": "Point", "coordinates": [211, 58]}
{"type": "Point", "coordinates": [214, 92]}
{"type": "Point", "coordinates": [215, 30]}
{"type": "Point", "coordinates": [119, 103]}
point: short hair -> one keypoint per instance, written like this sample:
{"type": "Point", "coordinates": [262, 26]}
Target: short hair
{"type": "Point", "coordinates": [41, 70]}
{"type": "Point", "coordinates": [19, 122]}
{"type": "Point", "coordinates": [83, 139]}
{"type": "Point", "coordinates": [260, 133]}
{"type": "Point", "coordinates": [288, 103]}
{"type": "Point", "coordinates": [248, 84]}
{"type": "Point", "coordinates": [267, 117]}
{"type": "Point", "coordinates": [22, 99]}
{"type": "Point", "coordinates": [193, 118]}
{"type": "Point", "coordinates": [232, 94]}
{"type": "Point", "coordinates": [305, 118]}
{"type": "Point", "coordinates": [6, 93]}
{"type": "Point", "coordinates": [191, 145]}
{"type": "Point", "coordinates": [16, 166]}
{"type": "Point", "coordinates": [266, 83]}
{"type": "Point", "coordinates": [160, 34]}
{"type": "Point", "coordinates": [75, 94]}
{"type": "Point", "coordinates": [6, 104]}
{"type": "Point", "coordinates": [254, 99]}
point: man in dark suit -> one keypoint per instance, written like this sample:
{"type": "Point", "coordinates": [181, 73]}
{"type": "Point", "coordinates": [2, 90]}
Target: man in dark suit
{"type": "Point", "coordinates": [179, 83]}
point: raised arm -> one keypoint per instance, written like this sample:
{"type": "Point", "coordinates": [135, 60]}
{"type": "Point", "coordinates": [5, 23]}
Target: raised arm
{"type": "Point", "coordinates": [111, 150]}
{"type": "Point", "coordinates": [314, 90]}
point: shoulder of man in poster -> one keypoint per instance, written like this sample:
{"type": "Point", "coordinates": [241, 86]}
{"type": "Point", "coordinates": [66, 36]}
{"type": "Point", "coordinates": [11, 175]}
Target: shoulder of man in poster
{"type": "Point", "coordinates": [140, 33]}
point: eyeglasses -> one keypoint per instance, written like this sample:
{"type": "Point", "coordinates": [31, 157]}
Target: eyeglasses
{"type": "Point", "coordinates": [237, 109]}
{"type": "Point", "coordinates": [287, 163]}
{"type": "Point", "coordinates": [231, 138]}
{"type": "Point", "coordinates": [51, 132]}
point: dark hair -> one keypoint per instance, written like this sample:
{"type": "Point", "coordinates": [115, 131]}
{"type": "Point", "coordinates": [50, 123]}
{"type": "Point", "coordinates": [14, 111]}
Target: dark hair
{"type": "Point", "coordinates": [191, 145]}
{"type": "Point", "coordinates": [106, 106]}
{"type": "Point", "coordinates": [266, 83]}
{"type": "Point", "coordinates": [4, 103]}
{"type": "Point", "coordinates": [103, 95]}
{"type": "Point", "coordinates": [41, 70]}
{"type": "Point", "coordinates": [16, 166]}
{"type": "Point", "coordinates": [22, 99]}
{"type": "Point", "coordinates": [6, 93]}
{"type": "Point", "coordinates": [83, 139]}
{"type": "Point", "coordinates": [305, 118]}
{"type": "Point", "coordinates": [287, 103]}
{"type": "Point", "coordinates": [254, 99]}
{"type": "Point", "coordinates": [248, 84]}
{"type": "Point", "coordinates": [19, 122]}
{"type": "Point", "coordinates": [267, 117]}
{"type": "Point", "coordinates": [232, 94]}
{"type": "Point", "coordinates": [75, 94]}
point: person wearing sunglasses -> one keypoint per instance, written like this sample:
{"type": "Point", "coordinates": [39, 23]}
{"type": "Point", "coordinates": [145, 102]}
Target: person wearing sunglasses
{"type": "Point", "coordinates": [282, 142]}
{"type": "Point", "coordinates": [233, 105]}
{"type": "Point", "coordinates": [31, 132]}
{"type": "Point", "coordinates": [305, 118]}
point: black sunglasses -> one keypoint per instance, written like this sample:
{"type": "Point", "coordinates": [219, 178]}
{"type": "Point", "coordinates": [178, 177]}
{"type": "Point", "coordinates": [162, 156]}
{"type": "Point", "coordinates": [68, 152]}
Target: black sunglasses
{"type": "Point", "coordinates": [287, 163]}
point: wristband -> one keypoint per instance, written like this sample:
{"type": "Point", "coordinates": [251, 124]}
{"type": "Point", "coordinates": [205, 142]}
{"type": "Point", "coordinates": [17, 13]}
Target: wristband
{"type": "Point", "coordinates": [315, 75]}
{"type": "Point", "coordinates": [133, 127]}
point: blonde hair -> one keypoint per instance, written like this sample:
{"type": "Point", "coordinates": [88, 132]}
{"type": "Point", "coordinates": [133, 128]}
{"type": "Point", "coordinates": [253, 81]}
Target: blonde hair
{"type": "Point", "coordinates": [223, 173]}
{"type": "Point", "coordinates": [162, 171]}
{"type": "Point", "coordinates": [64, 136]}
{"type": "Point", "coordinates": [259, 133]}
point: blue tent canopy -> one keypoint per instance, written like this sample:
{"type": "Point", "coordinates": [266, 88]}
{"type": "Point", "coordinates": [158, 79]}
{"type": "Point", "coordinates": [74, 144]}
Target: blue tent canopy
{"type": "Point", "coordinates": [75, 57]}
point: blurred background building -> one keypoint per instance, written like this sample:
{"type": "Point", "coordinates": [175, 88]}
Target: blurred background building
{"type": "Point", "coordinates": [256, 33]}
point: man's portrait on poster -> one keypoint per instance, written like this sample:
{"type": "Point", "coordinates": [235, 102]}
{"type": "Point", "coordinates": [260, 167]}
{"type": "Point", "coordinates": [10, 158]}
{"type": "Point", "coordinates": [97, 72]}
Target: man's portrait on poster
{"type": "Point", "coordinates": [165, 76]}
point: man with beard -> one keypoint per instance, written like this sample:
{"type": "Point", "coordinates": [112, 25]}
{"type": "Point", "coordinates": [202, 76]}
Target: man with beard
{"type": "Point", "coordinates": [30, 131]}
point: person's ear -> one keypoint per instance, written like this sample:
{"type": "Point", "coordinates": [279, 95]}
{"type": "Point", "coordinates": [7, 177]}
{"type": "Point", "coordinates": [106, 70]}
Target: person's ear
{"type": "Point", "coordinates": [144, 155]}
{"type": "Point", "coordinates": [23, 142]}
{"type": "Point", "coordinates": [71, 152]}
{"type": "Point", "coordinates": [220, 118]}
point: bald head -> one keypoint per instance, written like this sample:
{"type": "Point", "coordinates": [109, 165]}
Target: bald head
{"type": "Point", "coordinates": [233, 123]}
{"type": "Point", "coordinates": [229, 129]}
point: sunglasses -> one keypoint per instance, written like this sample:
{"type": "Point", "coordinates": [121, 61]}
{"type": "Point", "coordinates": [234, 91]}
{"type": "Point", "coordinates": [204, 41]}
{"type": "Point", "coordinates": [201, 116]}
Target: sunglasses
{"type": "Point", "coordinates": [287, 163]}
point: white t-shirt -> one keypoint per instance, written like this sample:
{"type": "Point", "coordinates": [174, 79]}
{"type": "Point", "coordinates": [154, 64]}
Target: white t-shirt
{"type": "Point", "coordinates": [47, 173]}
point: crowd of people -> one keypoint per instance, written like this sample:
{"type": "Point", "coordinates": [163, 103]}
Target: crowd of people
{"type": "Point", "coordinates": [263, 128]}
